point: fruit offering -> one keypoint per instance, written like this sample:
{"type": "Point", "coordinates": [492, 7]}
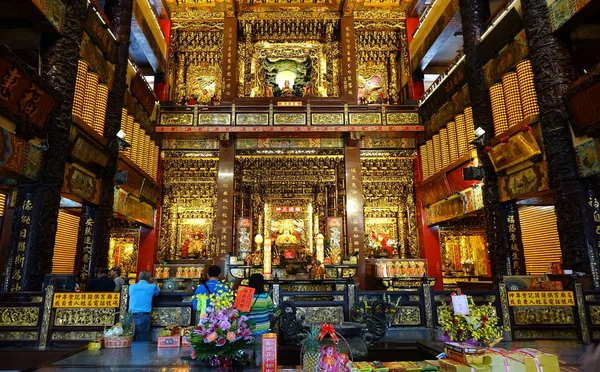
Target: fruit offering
{"type": "Point", "coordinates": [332, 361]}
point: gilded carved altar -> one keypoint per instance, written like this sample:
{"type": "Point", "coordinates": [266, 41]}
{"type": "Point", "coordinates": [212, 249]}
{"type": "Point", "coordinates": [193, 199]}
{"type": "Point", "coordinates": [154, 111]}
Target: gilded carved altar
{"type": "Point", "coordinates": [390, 213]}
{"type": "Point", "coordinates": [188, 205]}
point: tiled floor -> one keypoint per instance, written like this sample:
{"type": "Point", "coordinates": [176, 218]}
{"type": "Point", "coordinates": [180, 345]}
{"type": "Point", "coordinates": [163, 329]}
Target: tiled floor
{"type": "Point", "coordinates": [146, 357]}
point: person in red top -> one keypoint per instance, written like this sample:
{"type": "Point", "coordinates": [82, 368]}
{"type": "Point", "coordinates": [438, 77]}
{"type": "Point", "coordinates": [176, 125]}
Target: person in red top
{"type": "Point", "coordinates": [194, 100]}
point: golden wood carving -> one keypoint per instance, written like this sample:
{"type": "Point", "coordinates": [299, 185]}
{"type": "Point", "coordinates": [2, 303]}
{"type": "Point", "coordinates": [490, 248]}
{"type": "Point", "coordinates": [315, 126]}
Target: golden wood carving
{"type": "Point", "coordinates": [84, 317]}
{"type": "Point", "coordinates": [289, 119]}
{"type": "Point", "coordinates": [519, 148]}
{"type": "Point", "coordinates": [46, 316]}
{"type": "Point", "coordinates": [252, 119]}
{"type": "Point", "coordinates": [543, 315]}
{"type": "Point", "coordinates": [402, 118]}
{"type": "Point", "coordinates": [18, 336]}
{"type": "Point", "coordinates": [214, 119]}
{"type": "Point", "coordinates": [365, 118]}
{"type": "Point", "coordinates": [407, 316]}
{"type": "Point", "coordinates": [19, 316]}
{"type": "Point", "coordinates": [189, 194]}
{"type": "Point", "coordinates": [546, 334]}
{"type": "Point", "coordinates": [177, 118]}
{"type": "Point", "coordinates": [75, 335]}
{"type": "Point", "coordinates": [595, 315]}
{"type": "Point", "coordinates": [319, 315]}
{"type": "Point", "coordinates": [164, 316]}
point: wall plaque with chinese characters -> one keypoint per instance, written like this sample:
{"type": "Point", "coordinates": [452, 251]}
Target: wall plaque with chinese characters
{"type": "Point", "coordinates": [288, 209]}
{"type": "Point", "coordinates": [541, 298]}
{"type": "Point", "coordinates": [17, 274]}
{"type": "Point", "coordinates": [86, 300]}
{"type": "Point", "coordinates": [229, 58]}
{"type": "Point", "coordinates": [20, 95]}
{"type": "Point", "coordinates": [224, 214]}
{"type": "Point", "coordinates": [98, 32]}
{"type": "Point", "coordinates": [289, 103]}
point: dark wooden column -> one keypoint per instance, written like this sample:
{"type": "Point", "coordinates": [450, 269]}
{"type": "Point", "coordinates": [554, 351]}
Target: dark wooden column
{"type": "Point", "coordinates": [553, 70]}
{"type": "Point", "coordinates": [474, 14]}
{"type": "Point", "coordinates": [224, 212]}
{"type": "Point", "coordinates": [40, 204]}
{"type": "Point", "coordinates": [85, 245]}
{"type": "Point", "coordinates": [348, 60]}
{"type": "Point", "coordinates": [230, 81]}
{"type": "Point", "coordinates": [355, 225]}
{"type": "Point", "coordinates": [119, 13]}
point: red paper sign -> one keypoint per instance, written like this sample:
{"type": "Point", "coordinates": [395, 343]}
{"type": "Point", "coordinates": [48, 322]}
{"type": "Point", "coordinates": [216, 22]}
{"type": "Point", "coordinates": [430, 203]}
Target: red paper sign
{"type": "Point", "coordinates": [269, 352]}
{"type": "Point", "coordinates": [243, 299]}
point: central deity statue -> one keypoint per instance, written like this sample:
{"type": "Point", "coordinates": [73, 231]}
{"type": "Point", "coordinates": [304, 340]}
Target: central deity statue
{"type": "Point", "coordinates": [286, 237]}
{"type": "Point", "coordinates": [287, 91]}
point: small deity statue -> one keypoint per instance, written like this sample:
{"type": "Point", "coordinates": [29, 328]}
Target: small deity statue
{"type": "Point", "coordinates": [287, 91]}
{"type": "Point", "coordinates": [286, 236]}
{"type": "Point", "coordinates": [421, 270]}
{"type": "Point", "coordinates": [317, 271]}
{"type": "Point", "coordinates": [268, 90]}
{"type": "Point", "coordinates": [307, 92]}
{"type": "Point", "coordinates": [185, 248]}
{"type": "Point", "coordinates": [179, 273]}
{"type": "Point", "coordinates": [196, 246]}
{"type": "Point", "coordinates": [158, 272]}
{"type": "Point", "coordinates": [204, 98]}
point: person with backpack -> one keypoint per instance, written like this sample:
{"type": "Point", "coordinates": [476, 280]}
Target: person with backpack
{"type": "Point", "coordinates": [212, 285]}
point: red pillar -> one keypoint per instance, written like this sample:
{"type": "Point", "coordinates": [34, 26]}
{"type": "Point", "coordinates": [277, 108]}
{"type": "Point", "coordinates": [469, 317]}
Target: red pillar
{"type": "Point", "coordinates": [149, 244]}
{"type": "Point", "coordinates": [416, 87]}
{"type": "Point", "coordinates": [429, 239]}
{"type": "Point", "coordinates": [147, 253]}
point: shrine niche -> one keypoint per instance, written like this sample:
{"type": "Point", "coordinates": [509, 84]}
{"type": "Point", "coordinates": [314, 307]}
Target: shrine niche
{"type": "Point", "coordinates": [188, 216]}
{"type": "Point", "coordinates": [196, 58]}
{"type": "Point", "coordinates": [381, 59]}
{"type": "Point", "coordinates": [287, 70]}
{"type": "Point", "coordinates": [389, 209]}
{"type": "Point", "coordinates": [123, 247]}
{"type": "Point", "coordinates": [287, 77]}
{"type": "Point", "coordinates": [463, 251]}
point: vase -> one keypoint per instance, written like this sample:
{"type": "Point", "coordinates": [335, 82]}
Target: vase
{"type": "Point", "coordinates": [218, 363]}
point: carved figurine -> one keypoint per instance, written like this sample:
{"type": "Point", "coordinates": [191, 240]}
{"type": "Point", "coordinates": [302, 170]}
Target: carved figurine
{"type": "Point", "coordinates": [317, 272]}
{"type": "Point", "coordinates": [421, 269]}
{"type": "Point", "coordinates": [412, 271]}
{"type": "Point", "coordinates": [287, 91]}
{"type": "Point", "coordinates": [179, 273]}
{"type": "Point", "coordinates": [158, 272]}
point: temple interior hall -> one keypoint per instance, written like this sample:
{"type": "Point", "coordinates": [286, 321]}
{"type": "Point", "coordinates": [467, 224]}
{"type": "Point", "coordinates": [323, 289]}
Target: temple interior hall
{"type": "Point", "coordinates": [354, 153]}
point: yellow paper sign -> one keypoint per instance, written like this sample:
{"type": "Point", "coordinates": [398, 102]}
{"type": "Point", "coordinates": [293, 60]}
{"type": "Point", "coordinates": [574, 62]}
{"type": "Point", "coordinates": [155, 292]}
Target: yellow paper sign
{"type": "Point", "coordinates": [87, 300]}
{"type": "Point", "coordinates": [541, 298]}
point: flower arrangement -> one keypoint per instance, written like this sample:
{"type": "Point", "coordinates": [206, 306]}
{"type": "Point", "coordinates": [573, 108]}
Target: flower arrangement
{"type": "Point", "coordinates": [222, 332]}
{"type": "Point", "coordinates": [479, 328]}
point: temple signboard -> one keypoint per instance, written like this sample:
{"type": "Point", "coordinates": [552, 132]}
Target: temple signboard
{"type": "Point", "coordinates": [21, 96]}
{"type": "Point", "coordinates": [142, 92]}
{"type": "Point", "coordinates": [98, 31]}
{"type": "Point", "coordinates": [86, 300]}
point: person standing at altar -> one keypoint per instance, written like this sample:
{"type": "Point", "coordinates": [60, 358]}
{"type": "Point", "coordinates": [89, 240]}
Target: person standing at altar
{"type": "Point", "coordinates": [140, 304]}
{"type": "Point", "coordinates": [212, 285]}
{"type": "Point", "coordinates": [260, 312]}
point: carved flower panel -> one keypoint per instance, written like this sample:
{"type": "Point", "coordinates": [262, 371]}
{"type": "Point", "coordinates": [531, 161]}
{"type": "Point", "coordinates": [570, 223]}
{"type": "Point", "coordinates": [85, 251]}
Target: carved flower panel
{"type": "Point", "coordinates": [19, 316]}
{"type": "Point", "coordinates": [319, 315]}
{"type": "Point", "coordinates": [164, 316]}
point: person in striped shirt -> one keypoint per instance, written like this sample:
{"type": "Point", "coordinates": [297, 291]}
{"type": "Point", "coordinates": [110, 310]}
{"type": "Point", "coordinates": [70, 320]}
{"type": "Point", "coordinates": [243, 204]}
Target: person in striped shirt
{"type": "Point", "coordinates": [260, 312]}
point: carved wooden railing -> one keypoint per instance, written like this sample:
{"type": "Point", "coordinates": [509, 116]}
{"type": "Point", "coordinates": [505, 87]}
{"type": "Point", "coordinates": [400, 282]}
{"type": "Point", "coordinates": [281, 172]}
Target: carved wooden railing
{"type": "Point", "coordinates": [21, 316]}
{"type": "Point", "coordinates": [30, 319]}
{"type": "Point", "coordinates": [259, 113]}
